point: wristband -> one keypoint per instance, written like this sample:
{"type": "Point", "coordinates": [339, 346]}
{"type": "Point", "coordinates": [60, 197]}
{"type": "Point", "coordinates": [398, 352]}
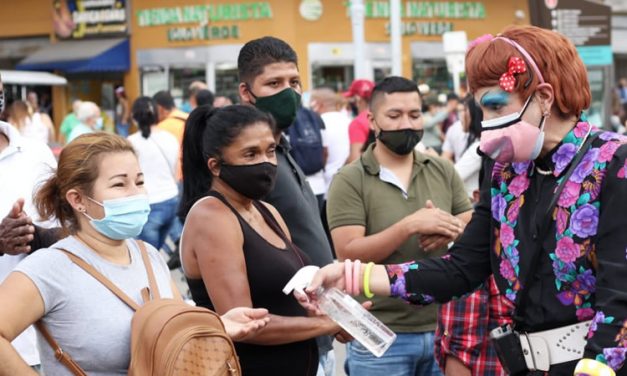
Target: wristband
{"type": "Point", "coordinates": [356, 271]}
{"type": "Point", "coordinates": [348, 276]}
{"type": "Point", "coordinates": [591, 367]}
{"type": "Point", "coordinates": [367, 273]}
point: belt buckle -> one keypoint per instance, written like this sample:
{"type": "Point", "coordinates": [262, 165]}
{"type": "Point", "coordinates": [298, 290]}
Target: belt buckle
{"type": "Point", "coordinates": [527, 350]}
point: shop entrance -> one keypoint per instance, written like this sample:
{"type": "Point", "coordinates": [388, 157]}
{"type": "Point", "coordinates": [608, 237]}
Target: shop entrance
{"type": "Point", "coordinates": [338, 77]}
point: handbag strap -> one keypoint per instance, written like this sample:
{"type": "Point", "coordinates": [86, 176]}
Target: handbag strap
{"type": "Point", "coordinates": [152, 281]}
{"type": "Point", "coordinates": [63, 357]}
{"type": "Point", "coordinates": [152, 284]}
{"type": "Point", "coordinates": [521, 299]}
{"type": "Point", "coordinates": [102, 279]}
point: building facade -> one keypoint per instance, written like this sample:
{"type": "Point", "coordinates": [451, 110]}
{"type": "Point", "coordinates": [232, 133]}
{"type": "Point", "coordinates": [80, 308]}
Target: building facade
{"type": "Point", "coordinates": [149, 46]}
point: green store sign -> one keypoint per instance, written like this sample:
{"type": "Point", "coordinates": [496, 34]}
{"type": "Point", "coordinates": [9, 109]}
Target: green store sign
{"type": "Point", "coordinates": [204, 13]}
{"type": "Point", "coordinates": [465, 10]}
{"type": "Point", "coordinates": [422, 28]}
{"type": "Point", "coordinates": [185, 34]}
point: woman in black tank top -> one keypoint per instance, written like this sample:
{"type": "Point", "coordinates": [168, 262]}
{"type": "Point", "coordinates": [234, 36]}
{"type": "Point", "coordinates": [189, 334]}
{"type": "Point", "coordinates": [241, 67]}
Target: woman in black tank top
{"type": "Point", "coordinates": [235, 249]}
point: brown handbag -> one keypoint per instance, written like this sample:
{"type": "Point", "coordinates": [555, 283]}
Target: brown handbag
{"type": "Point", "coordinates": [168, 336]}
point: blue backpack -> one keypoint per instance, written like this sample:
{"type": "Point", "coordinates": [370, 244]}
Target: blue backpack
{"type": "Point", "coordinates": [306, 141]}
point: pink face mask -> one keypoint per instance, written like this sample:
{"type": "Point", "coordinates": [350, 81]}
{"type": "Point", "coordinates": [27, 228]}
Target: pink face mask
{"type": "Point", "coordinates": [511, 139]}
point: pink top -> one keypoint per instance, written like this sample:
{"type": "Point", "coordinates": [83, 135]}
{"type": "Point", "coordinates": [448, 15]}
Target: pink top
{"type": "Point", "coordinates": [358, 129]}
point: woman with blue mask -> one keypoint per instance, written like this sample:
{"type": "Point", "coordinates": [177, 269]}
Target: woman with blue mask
{"type": "Point", "coordinates": [97, 195]}
{"type": "Point", "coordinates": [235, 249]}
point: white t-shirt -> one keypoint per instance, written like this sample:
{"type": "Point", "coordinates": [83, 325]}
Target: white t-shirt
{"type": "Point", "coordinates": [338, 143]}
{"type": "Point", "coordinates": [36, 128]}
{"type": "Point", "coordinates": [316, 180]}
{"type": "Point", "coordinates": [88, 321]}
{"type": "Point", "coordinates": [468, 167]}
{"type": "Point", "coordinates": [24, 164]}
{"type": "Point", "coordinates": [158, 157]}
{"type": "Point", "coordinates": [455, 140]}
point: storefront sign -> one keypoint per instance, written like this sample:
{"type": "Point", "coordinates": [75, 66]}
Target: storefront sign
{"type": "Point", "coordinates": [311, 10]}
{"type": "Point", "coordinates": [425, 9]}
{"type": "Point", "coordinates": [78, 19]}
{"type": "Point", "coordinates": [585, 23]}
{"type": "Point", "coordinates": [204, 14]}
{"type": "Point", "coordinates": [422, 28]}
{"type": "Point", "coordinates": [183, 34]}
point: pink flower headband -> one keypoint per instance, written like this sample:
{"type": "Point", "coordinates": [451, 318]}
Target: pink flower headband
{"type": "Point", "coordinates": [515, 64]}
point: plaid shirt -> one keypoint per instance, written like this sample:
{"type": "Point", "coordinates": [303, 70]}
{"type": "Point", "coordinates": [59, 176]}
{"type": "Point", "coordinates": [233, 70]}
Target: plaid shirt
{"type": "Point", "coordinates": [464, 327]}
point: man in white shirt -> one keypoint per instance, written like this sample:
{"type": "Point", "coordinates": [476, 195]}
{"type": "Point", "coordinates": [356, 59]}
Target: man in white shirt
{"type": "Point", "coordinates": [24, 164]}
{"type": "Point", "coordinates": [327, 103]}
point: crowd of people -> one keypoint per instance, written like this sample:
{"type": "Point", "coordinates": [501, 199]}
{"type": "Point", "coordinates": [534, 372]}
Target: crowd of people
{"type": "Point", "coordinates": [500, 214]}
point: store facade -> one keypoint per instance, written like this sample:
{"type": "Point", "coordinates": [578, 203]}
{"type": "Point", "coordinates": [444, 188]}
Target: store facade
{"type": "Point", "coordinates": [85, 41]}
{"type": "Point", "coordinates": [149, 46]}
{"type": "Point", "coordinates": [178, 41]}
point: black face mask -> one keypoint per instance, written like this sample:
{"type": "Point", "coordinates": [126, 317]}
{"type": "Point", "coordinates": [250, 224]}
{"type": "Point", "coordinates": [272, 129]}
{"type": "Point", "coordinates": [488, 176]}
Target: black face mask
{"type": "Point", "coordinates": [1, 101]}
{"type": "Point", "coordinates": [401, 141]}
{"type": "Point", "coordinates": [253, 181]}
{"type": "Point", "coordinates": [283, 106]}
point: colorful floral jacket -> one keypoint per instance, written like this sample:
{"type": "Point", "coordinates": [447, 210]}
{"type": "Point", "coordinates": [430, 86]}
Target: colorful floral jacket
{"type": "Point", "coordinates": [581, 241]}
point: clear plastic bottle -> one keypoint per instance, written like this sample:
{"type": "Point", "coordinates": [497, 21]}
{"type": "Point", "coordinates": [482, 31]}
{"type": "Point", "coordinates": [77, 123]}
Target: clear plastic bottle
{"type": "Point", "coordinates": [356, 320]}
{"type": "Point", "coordinates": [346, 312]}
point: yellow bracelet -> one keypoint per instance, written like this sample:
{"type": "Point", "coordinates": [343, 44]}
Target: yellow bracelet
{"type": "Point", "coordinates": [367, 273]}
{"type": "Point", "coordinates": [593, 367]}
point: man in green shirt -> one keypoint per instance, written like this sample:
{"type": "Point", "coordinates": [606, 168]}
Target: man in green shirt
{"type": "Point", "coordinates": [70, 121]}
{"type": "Point", "coordinates": [395, 205]}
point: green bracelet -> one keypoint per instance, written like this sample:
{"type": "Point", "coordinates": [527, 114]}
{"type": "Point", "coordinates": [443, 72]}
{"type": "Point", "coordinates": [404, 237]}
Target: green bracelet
{"type": "Point", "coordinates": [367, 273]}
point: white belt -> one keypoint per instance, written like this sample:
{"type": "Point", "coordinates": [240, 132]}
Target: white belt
{"type": "Point", "coordinates": [544, 349]}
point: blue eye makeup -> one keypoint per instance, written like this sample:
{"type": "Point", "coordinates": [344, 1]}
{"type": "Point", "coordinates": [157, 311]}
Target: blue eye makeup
{"type": "Point", "coordinates": [498, 98]}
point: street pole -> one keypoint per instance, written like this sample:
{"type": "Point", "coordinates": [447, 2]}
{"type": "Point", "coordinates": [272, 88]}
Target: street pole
{"type": "Point", "coordinates": [395, 37]}
{"type": "Point", "coordinates": [359, 40]}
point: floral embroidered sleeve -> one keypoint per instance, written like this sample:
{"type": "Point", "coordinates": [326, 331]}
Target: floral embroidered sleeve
{"type": "Point", "coordinates": [461, 271]}
{"type": "Point", "coordinates": [607, 339]}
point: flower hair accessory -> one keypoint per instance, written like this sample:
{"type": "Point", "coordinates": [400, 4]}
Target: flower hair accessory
{"type": "Point", "coordinates": [515, 65]}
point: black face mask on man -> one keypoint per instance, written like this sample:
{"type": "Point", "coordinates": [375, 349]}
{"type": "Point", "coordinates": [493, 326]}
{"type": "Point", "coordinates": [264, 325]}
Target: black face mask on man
{"type": "Point", "coordinates": [282, 105]}
{"type": "Point", "coordinates": [401, 141]}
{"type": "Point", "coordinates": [1, 101]}
{"type": "Point", "coordinates": [254, 181]}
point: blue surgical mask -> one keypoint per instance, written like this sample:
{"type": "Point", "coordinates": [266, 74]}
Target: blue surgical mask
{"type": "Point", "coordinates": [99, 124]}
{"type": "Point", "coordinates": [124, 217]}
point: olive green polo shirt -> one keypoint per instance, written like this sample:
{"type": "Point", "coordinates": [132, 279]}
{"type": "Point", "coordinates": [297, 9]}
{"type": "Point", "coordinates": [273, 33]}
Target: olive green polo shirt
{"type": "Point", "coordinates": [366, 194]}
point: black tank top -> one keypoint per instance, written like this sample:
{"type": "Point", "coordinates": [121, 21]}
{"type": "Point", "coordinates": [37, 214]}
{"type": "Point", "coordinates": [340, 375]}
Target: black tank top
{"type": "Point", "coordinates": [268, 269]}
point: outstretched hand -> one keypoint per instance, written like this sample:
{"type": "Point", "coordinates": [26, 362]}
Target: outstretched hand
{"type": "Point", "coordinates": [16, 231]}
{"type": "Point", "coordinates": [242, 322]}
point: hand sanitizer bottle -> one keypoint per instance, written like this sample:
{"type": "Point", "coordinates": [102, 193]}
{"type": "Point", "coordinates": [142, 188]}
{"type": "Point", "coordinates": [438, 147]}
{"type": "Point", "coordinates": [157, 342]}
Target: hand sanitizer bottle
{"type": "Point", "coordinates": [347, 313]}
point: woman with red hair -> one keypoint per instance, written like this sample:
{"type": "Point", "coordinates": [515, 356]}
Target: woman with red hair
{"type": "Point", "coordinates": [551, 222]}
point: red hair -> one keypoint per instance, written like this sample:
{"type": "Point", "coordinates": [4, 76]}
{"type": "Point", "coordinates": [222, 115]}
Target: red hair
{"type": "Point", "coordinates": [556, 58]}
